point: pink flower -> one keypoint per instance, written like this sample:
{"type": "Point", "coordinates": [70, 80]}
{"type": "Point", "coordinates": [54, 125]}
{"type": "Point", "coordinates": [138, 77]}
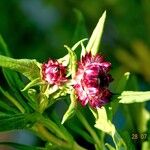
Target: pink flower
{"type": "Point", "coordinates": [92, 80]}
{"type": "Point", "coordinates": [54, 72]}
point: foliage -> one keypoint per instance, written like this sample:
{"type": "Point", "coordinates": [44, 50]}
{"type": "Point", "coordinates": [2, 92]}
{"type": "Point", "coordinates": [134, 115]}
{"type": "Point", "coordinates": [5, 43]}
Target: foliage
{"type": "Point", "coordinates": [28, 103]}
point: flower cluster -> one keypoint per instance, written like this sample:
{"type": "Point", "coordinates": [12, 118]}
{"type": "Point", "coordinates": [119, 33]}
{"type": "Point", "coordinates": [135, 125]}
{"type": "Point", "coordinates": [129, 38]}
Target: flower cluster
{"type": "Point", "coordinates": [90, 83]}
{"type": "Point", "coordinates": [92, 80]}
{"type": "Point", "coordinates": [54, 72]}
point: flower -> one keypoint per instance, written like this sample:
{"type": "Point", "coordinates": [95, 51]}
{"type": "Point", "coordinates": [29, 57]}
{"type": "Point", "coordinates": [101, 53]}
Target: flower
{"type": "Point", "coordinates": [54, 72]}
{"type": "Point", "coordinates": [92, 80]}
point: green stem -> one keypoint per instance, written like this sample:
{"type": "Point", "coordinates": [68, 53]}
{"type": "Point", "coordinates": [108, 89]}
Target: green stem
{"type": "Point", "coordinates": [90, 130]}
{"type": "Point", "coordinates": [43, 132]}
{"type": "Point", "coordinates": [13, 100]}
{"type": "Point", "coordinates": [61, 133]}
{"type": "Point", "coordinates": [53, 127]}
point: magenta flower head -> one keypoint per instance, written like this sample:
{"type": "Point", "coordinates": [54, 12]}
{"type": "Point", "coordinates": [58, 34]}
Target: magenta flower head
{"type": "Point", "coordinates": [54, 72]}
{"type": "Point", "coordinates": [92, 80]}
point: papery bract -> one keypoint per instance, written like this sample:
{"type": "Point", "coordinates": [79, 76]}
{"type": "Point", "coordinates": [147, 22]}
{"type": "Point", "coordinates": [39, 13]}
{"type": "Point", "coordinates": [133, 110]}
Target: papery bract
{"type": "Point", "coordinates": [92, 80]}
{"type": "Point", "coordinates": [54, 72]}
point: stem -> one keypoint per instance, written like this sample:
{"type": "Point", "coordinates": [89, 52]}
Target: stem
{"type": "Point", "coordinates": [50, 137]}
{"type": "Point", "coordinates": [63, 136]}
{"type": "Point", "coordinates": [53, 127]}
{"type": "Point", "coordinates": [90, 130]}
{"type": "Point", "coordinates": [13, 100]}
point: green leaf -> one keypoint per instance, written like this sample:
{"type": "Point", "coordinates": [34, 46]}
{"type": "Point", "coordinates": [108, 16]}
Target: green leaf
{"type": "Point", "coordinates": [122, 82]}
{"type": "Point", "coordinates": [72, 61]}
{"type": "Point", "coordinates": [80, 31]}
{"type": "Point", "coordinates": [128, 97]}
{"type": "Point", "coordinates": [109, 146]}
{"type": "Point", "coordinates": [72, 108]}
{"type": "Point", "coordinates": [34, 82]}
{"type": "Point", "coordinates": [29, 68]}
{"type": "Point", "coordinates": [3, 47]}
{"type": "Point", "coordinates": [7, 108]}
{"type": "Point", "coordinates": [77, 129]}
{"type": "Point", "coordinates": [12, 100]}
{"type": "Point", "coordinates": [21, 146]}
{"type": "Point", "coordinates": [104, 124]}
{"type": "Point", "coordinates": [96, 36]}
{"type": "Point", "coordinates": [16, 121]}
{"type": "Point", "coordinates": [65, 60]}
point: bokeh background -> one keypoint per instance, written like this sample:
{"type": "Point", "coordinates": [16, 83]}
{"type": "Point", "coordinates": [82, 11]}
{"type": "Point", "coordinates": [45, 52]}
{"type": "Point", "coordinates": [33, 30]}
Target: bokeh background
{"type": "Point", "coordinates": [39, 28]}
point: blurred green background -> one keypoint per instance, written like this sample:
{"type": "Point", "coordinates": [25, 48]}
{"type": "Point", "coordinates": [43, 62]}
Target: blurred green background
{"type": "Point", "coordinates": [39, 29]}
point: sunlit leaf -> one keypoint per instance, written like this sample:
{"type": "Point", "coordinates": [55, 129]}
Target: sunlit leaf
{"type": "Point", "coordinates": [72, 108]}
{"type": "Point", "coordinates": [96, 36]}
{"type": "Point", "coordinates": [104, 124]}
{"type": "Point", "coordinates": [128, 97]}
{"type": "Point", "coordinates": [29, 68]}
{"type": "Point", "coordinates": [65, 60]}
{"type": "Point", "coordinates": [72, 61]}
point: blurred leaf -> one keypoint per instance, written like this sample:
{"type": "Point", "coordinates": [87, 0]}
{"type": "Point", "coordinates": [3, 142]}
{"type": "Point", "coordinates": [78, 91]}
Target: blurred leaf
{"type": "Point", "coordinates": [72, 108]}
{"type": "Point", "coordinates": [96, 36]}
{"type": "Point", "coordinates": [27, 67]}
{"type": "Point", "coordinates": [16, 121]}
{"type": "Point", "coordinates": [105, 125]}
{"type": "Point", "coordinates": [7, 107]}
{"type": "Point", "coordinates": [81, 132]}
{"type": "Point", "coordinates": [80, 31]}
{"type": "Point", "coordinates": [122, 82]}
{"type": "Point", "coordinates": [128, 97]}
{"type": "Point", "coordinates": [127, 59]}
{"type": "Point", "coordinates": [109, 146]}
{"type": "Point", "coordinates": [21, 146]}
{"type": "Point", "coordinates": [3, 47]}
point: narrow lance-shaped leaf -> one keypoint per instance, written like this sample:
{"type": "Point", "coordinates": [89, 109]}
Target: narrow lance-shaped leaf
{"type": "Point", "coordinates": [72, 61]}
{"type": "Point", "coordinates": [80, 30]}
{"type": "Point", "coordinates": [72, 108]}
{"type": "Point", "coordinates": [105, 125]}
{"type": "Point", "coordinates": [16, 121]}
{"type": "Point", "coordinates": [109, 146]}
{"type": "Point", "coordinates": [34, 82]}
{"type": "Point", "coordinates": [96, 36]}
{"type": "Point", "coordinates": [12, 77]}
{"type": "Point", "coordinates": [65, 59]}
{"type": "Point", "coordinates": [128, 97]}
{"type": "Point", "coordinates": [12, 100]}
{"type": "Point", "coordinates": [7, 108]}
{"type": "Point", "coordinates": [27, 67]}
{"type": "Point", "coordinates": [3, 47]}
